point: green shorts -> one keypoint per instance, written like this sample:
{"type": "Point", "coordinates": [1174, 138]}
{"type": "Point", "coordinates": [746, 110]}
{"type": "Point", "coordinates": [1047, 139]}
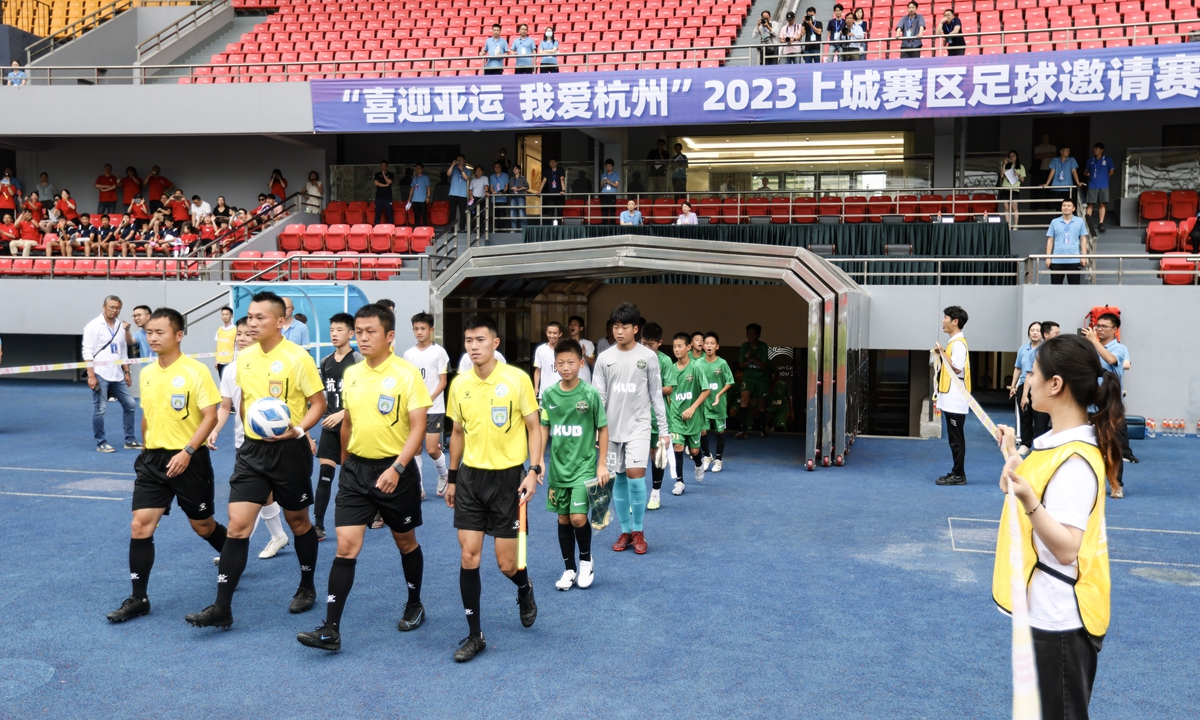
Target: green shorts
{"type": "Point", "coordinates": [692, 441]}
{"type": "Point", "coordinates": [757, 387]}
{"type": "Point", "coordinates": [716, 424]}
{"type": "Point", "coordinates": [571, 500]}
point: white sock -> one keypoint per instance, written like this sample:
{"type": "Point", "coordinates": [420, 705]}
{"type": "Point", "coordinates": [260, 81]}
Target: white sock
{"type": "Point", "coordinates": [440, 463]}
{"type": "Point", "coordinates": [270, 516]}
{"type": "Point", "coordinates": [671, 463]}
{"type": "Point", "coordinates": [420, 472]}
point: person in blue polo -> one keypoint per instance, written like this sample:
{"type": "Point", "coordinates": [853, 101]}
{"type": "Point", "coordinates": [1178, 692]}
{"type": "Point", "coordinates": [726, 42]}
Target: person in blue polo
{"type": "Point", "coordinates": [1067, 235]}
{"type": "Point", "coordinates": [1100, 168]}
{"type": "Point", "coordinates": [1114, 356]}
{"type": "Point", "coordinates": [524, 47]}
{"type": "Point", "coordinates": [418, 196]}
{"type": "Point", "coordinates": [498, 184]}
{"type": "Point", "coordinates": [459, 176]}
{"type": "Point", "coordinates": [1064, 174]}
{"type": "Point", "coordinates": [632, 216]}
{"type": "Point", "coordinates": [495, 48]}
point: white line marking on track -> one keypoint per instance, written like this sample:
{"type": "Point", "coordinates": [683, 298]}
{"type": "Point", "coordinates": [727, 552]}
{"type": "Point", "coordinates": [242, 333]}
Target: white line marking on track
{"type": "Point", "coordinates": [1110, 527]}
{"type": "Point", "coordinates": [950, 522]}
{"type": "Point", "coordinates": [73, 497]}
{"type": "Point", "coordinates": [78, 472]}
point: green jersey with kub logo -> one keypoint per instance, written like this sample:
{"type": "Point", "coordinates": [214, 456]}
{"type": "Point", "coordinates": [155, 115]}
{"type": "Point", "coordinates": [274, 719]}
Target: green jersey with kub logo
{"type": "Point", "coordinates": [664, 368]}
{"type": "Point", "coordinates": [573, 417]}
{"type": "Point", "coordinates": [750, 372]}
{"type": "Point", "coordinates": [686, 385]}
{"type": "Point", "coordinates": [716, 376]}
{"type": "Point", "coordinates": [777, 404]}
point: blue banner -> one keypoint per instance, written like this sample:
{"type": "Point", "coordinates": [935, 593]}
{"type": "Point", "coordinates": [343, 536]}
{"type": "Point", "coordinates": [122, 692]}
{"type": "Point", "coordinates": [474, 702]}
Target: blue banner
{"type": "Point", "coordinates": [1151, 77]}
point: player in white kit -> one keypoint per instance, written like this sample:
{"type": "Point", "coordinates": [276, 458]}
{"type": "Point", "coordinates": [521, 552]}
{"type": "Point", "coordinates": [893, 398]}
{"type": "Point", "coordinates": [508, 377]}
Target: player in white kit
{"type": "Point", "coordinates": [433, 362]}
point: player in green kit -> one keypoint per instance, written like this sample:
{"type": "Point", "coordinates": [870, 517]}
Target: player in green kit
{"type": "Point", "coordinates": [573, 414]}
{"type": "Point", "coordinates": [779, 405]}
{"type": "Point", "coordinates": [652, 334]}
{"type": "Point", "coordinates": [685, 413]}
{"type": "Point", "coordinates": [718, 377]}
{"type": "Point", "coordinates": [756, 368]}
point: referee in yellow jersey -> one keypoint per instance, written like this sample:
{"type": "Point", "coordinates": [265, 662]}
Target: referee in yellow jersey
{"type": "Point", "coordinates": [384, 398]}
{"type": "Point", "coordinates": [496, 429]}
{"type": "Point", "coordinates": [179, 410]}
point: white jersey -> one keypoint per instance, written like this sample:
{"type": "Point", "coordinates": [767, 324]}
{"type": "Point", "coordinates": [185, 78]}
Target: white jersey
{"type": "Point", "coordinates": [464, 363]}
{"type": "Point", "coordinates": [600, 346]}
{"type": "Point", "coordinates": [543, 360]}
{"type": "Point", "coordinates": [589, 351]}
{"type": "Point", "coordinates": [434, 363]}
{"type": "Point", "coordinates": [230, 389]}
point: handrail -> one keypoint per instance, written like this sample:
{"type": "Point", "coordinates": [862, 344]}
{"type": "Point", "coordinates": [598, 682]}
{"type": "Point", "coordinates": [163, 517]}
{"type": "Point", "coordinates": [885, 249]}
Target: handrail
{"type": "Point", "coordinates": [261, 220]}
{"type": "Point", "coordinates": [180, 27]}
{"type": "Point", "coordinates": [48, 44]}
{"type": "Point", "coordinates": [1029, 268]}
{"type": "Point", "coordinates": [189, 268]}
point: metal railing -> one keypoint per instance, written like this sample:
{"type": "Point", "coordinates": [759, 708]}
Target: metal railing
{"type": "Point", "coordinates": [61, 37]}
{"type": "Point", "coordinates": [32, 16]}
{"type": "Point", "coordinates": [181, 27]}
{"type": "Point", "coordinates": [319, 267]}
{"type": "Point", "coordinates": [1030, 270]}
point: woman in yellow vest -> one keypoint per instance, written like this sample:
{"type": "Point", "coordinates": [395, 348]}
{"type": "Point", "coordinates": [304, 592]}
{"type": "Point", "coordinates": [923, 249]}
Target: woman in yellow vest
{"type": "Point", "coordinates": [226, 336]}
{"type": "Point", "coordinates": [1060, 488]}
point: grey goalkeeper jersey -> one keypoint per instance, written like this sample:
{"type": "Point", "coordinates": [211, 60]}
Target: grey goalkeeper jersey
{"type": "Point", "coordinates": [630, 384]}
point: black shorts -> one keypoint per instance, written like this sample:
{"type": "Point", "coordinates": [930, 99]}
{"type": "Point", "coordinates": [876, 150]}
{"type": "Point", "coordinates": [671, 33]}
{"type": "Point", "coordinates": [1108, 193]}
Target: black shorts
{"type": "Point", "coordinates": [435, 423]}
{"type": "Point", "coordinates": [329, 447]}
{"type": "Point", "coordinates": [358, 499]}
{"type": "Point", "coordinates": [192, 489]}
{"type": "Point", "coordinates": [487, 501]}
{"type": "Point", "coordinates": [283, 468]}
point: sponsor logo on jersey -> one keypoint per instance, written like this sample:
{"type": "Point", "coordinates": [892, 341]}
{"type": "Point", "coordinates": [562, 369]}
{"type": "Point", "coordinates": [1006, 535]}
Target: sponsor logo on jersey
{"type": "Point", "coordinates": [178, 381]}
{"type": "Point", "coordinates": [566, 431]}
{"type": "Point", "coordinates": [385, 404]}
{"type": "Point", "coordinates": [683, 396]}
{"type": "Point", "coordinates": [581, 406]}
{"type": "Point", "coordinates": [275, 387]}
{"type": "Point", "coordinates": [501, 390]}
{"type": "Point", "coordinates": [277, 366]}
{"type": "Point", "coordinates": [641, 364]}
{"type": "Point", "coordinates": [389, 383]}
{"type": "Point", "coordinates": [179, 401]}
{"type": "Point", "coordinates": [624, 387]}
{"type": "Point", "coordinates": [500, 416]}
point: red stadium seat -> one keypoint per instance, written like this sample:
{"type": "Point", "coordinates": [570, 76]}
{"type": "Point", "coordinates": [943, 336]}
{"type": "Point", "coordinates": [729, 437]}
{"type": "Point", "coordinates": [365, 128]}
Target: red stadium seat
{"type": "Point", "coordinates": [318, 266]}
{"type": "Point", "coordinates": [908, 206]}
{"type": "Point", "coordinates": [960, 207]}
{"type": "Point", "coordinates": [356, 213]}
{"type": "Point", "coordinates": [400, 243]}
{"type": "Point", "coordinates": [829, 205]}
{"type": "Point", "coordinates": [83, 266]}
{"type": "Point", "coordinates": [665, 211]}
{"type": "Point", "coordinates": [1177, 261]}
{"type": "Point", "coordinates": [291, 237]}
{"type": "Point", "coordinates": [294, 257]}
{"type": "Point", "coordinates": [6, 266]}
{"type": "Point", "coordinates": [439, 212]}
{"type": "Point", "coordinates": [710, 208]}
{"type": "Point", "coordinates": [781, 211]}
{"type": "Point", "coordinates": [378, 240]}
{"type": "Point", "coordinates": [855, 210]}
{"type": "Point", "coordinates": [314, 238]}
{"type": "Point", "coordinates": [878, 206]}
{"type": "Point", "coordinates": [1183, 204]}
{"type": "Point", "coordinates": [386, 266]}
{"type": "Point", "coordinates": [63, 267]}
{"type": "Point", "coordinates": [757, 207]}
{"type": "Point", "coordinates": [40, 267]}
{"type": "Point", "coordinates": [347, 266]}
{"type": "Point", "coordinates": [1184, 241]}
{"type": "Point", "coordinates": [983, 203]}
{"type": "Point", "coordinates": [244, 267]}
{"type": "Point", "coordinates": [355, 235]}
{"type": "Point", "coordinates": [1161, 236]}
{"type": "Point", "coordinates": [334, 213]}
{"type": "Point", "coordinates": [269, 259]}
{"type": "Point", "coordinates": [422, 238]}
{"type": "Point", "coordinates": [804, 210]}
{"type": "Point", "coordinates": [1152, 204]}
{"type": "Point", "coordinates": [733, 211]}
{"type": "Point", "coordinates": [21, 266]}
{"type": "Point", "coordinates": [929, 205]}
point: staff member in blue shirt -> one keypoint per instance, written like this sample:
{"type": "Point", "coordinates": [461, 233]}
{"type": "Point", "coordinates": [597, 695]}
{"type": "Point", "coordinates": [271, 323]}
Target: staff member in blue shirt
{"type": "Point", "coordinates": [498, 184]}
{"type": "Point", "coordinates": [524, 48]}
{"type": "Point", "coordinates": [1067, 235]}
{"type": "Point", "coordinates": [610, 182]}
{"type": "Point", "coordinates": [1018, 388]}
{"type": "Point", "coordinates": [548, 49]}
{"type": "Point", "coordinates": [1064, 174]}
{"type": "Point", "coordinates": [632, 216]}
{"type": "Point", "coordinates": [552, 192]}
{"type": "Point", "coordinates": [418, 196]}
{"type": "Point", "coordinates": [459, 179]}
{"type": "Point", "coordinates": [495, 48]}
{"type": "Point", "coordinates": [1114, 356]}
{"type": "Point", "coordinates": [1100, 168]}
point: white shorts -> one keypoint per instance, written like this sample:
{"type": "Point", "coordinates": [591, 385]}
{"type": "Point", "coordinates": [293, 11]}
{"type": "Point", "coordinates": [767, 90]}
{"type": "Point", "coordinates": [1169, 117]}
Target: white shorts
{"type": "Point", "coordinates": [625, 455]}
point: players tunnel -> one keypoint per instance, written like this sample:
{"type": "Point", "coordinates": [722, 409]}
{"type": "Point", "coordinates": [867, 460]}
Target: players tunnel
{"type": "Point", "coordinates": [814, 317]}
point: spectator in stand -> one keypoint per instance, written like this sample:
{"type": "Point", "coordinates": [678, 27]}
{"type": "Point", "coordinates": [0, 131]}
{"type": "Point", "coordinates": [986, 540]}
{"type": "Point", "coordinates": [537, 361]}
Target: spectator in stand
{"type": "Point", "coordinates": [860, 18]}
{"type": "Point", "coordinates": [384, 179]}
{"type": "Point", "coordinates": [124, 235]}
{"type": "Point", "coordinates": [314, 194]}
{"type": "Point", "coordinates": [610, 183]}
{"type": "Point", "coordinates": [459, 180]}
{"type": "Point", "coordinates": [17, 76]}
{"type": "Point", "coordinates": [911, 28]}
{"type": "Point", "coordinates": [855, 48]}
{"type": "Point", "coordinates": [1064, 174]}
{"type": "Point", "coordinates": [834, 26]}
{"type": "Point", "coordinates": [139, 212]}
{"type": "Point", "coordinates": [10, 192]}
{"type": "Point", "coordinates": [45, 188]}
{"type": "Point", "coordinates": [519, 188]}
{"type": "Point", "coordinates": [686, 216]}
{"type": "Point", "coordinates": [764, 34]}
{"type": "Point", "coordinates": [553, 191]}
{"type": "Point", "coordinates": [84, 237]}
{"type": "Point", "coordinates": [582, 184]}
{"type": "Point", "coordinates": [37, 212]}
{"type": "Point", "coordinates": [107, 185]}
{"type": "Point", "coordinates": [657, 173]}
{"type": "Point", "coordinates": [951, 31]}
{"type": "Point", "coordinates": [11, 178]}
{"type": "Point", "coordinates": [679, 168]}
{"type": "Point", "coordinates": [130, 185]}
{"type": "Point", "coordinates": [502, 159]}
{"type": "Point", "coordinates": [293, 329]}
{"type": "Point", "coordinates": [156, 186]}
{"type": "Point", "coordinates": [1100, 168]}
{"type": "Point", "coordinates": [498, 188]}
{"type": "Point", "coordinates": [728, 188]}
{"type": "Point", "coordinates": [479, 190]}
{"type": "Point", "coordinates": [66, 206]}
{"type": "Point", "coordinates": [1012, 174]}
{"type": "Point", "coordinates": [222, 213]}
{"type": "Point", "coordinates": [790, 36]}
{"type": "Point", "coordinates": [10, 237]}
{"type": "Point", "coordinates": [278, 184]}
{"type": "Point", "coordinates": [163, 211]}
{"type": "Point", "coordinates": [524, 47]}
{"type": "Point", "coordinates": [496, 49]}
{"type": "Point", "coordinates": [181, 209]}
{"type": "Point", "coordinates": [106, 241]}
{"type": "Point", "coordinates": [25, 234]}
{"type": "Point", "coordinates": [199, 210]}
{"type": "Point", "coordinates": [810, 52]}
{"type": "Point", "coordinates": [548, 49]}
{"type": "Point", "coordinates": [1067, 235]}
{"type": "Point", "coordinates": [418, 196]}
{"type": "Point", "coordinates": [631, 215]}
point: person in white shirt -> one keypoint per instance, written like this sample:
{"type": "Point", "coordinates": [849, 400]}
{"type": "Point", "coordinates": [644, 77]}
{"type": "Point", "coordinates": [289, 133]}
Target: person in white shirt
{"type": "Point", "coordinates": [434, 363]}
{"type": "Point", "coordinates": [200, 210]}
{"type": "Point", "coordinates": [956, 360]}
{"type": "Point", "coordinates": [105, 344]}
{"type": "Point", "coordinates": [686, 216]}
{"type": "Point", "coordinates": [544, 372]}
{"type": "Point", "coordinates": [575, 327]}
{"type": "Point", "coordinates": [607, 341]}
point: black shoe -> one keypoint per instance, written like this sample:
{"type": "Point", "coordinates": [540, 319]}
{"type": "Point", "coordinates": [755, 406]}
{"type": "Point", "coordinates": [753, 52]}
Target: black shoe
{"type": "Point", "coordinates": [212, 616]}
{"type": "Point", "coordinates": [320, 532]}
{"type": "Point", "coordinates": [325, 637]}
{"type": "Point", "coordinates": [952, 480]}
{"type": "Point", "coordinates": [303, 600]}
{"type": "Point", "coordinates": [528, 607]}
{"type": "Point", "coordinates": [135, 445]}
{"type": "Point", "coordinates": [1131, 458]}
{"type": "Point", "coordinates": [740, 435]}
{"type": "Point", "coordinates": [131, 608]}
{"type": "Point", "coordinates": [469, 647]}
{"type": "Point", "coordinates": [1101, 227]}
{"type": "Point", "coordinates": [414, 615]}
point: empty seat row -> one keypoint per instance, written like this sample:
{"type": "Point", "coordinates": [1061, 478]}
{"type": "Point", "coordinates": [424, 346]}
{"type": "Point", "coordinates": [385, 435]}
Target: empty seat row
{"type": "Point", "coordinates": [1175, 205]}
{"type": "Point", "coordinates": [322, 265]}
{"type": "Point", "coordinates": [98, 267]}
{"type": "Point", "coordinates": [359, 238]}
{"type": "Point", "coordinates": [1164, 236]}
{"type": "Point", "coordinates": [852, 209]}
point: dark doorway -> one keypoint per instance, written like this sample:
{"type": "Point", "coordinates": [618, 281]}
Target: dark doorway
{"type": "Point", "coordinates": [406, 155]}
{"type": "Point", "coordinates": [887, 393]}
{"type": "Point", "coordinates": [1180, 135]}
{"type": "Point", "coordinates": [1074, 131]}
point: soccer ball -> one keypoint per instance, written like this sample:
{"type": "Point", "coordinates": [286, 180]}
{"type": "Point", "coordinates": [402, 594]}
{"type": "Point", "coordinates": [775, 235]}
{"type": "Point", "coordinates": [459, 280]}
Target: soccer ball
{"type": "Point", "coordinates": [269, 417]}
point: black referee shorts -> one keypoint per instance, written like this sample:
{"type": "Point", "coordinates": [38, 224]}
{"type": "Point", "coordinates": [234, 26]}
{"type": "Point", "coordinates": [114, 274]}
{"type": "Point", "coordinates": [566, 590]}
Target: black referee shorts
{"type": "Point", "coordinates": [358, 499]}
{"type": "Point", "coordinates": [283, 468]}
{"type": "Point", "coordinates": [329, 447]}
{"type": "Point", "coordinates": [192, 489]}
{"type": "Point", "coordinates": [487, 501]}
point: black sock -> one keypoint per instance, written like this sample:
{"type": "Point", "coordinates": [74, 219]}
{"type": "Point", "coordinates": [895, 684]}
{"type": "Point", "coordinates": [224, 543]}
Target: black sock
{"type": "Point", "coordinates": [679, 465]}
{"type": "Point", "coordinates": [306, 553]}
{"type": "Point", "coordinates": [656, 474]}
{"type": "Point", "coordinates": [566, 543]}
{"type": "Point", "coordinates": [341, 579]}
{"type": "Point", "coordinates": [217, 538]}
{"type": "Point", "coordinates": [141, 559]}
{"type": "Point", "coordinates": [745, 413]}
{"type": "Point", "coordinates": [698, 458]}
{"type": "Point", "coordinates": [720, 445]}
{"type": "Point", "coordinates": [324, 488]}
{"type": "Point", "coordinates": [583, 536]}
{"type": "Point", "coordinates": [468, 585]}
{"type": "Point", "coordinates": [229, 569]}
{"type": "Point", "coordinates": [521, 579]}
{"type": "Point", "coordinates": [704, 445]}
{"type": "Point", "coordinates": [414, 568]}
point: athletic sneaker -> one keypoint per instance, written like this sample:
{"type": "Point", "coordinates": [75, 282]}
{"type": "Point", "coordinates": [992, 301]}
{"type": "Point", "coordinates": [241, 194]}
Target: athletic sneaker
{"type": "Point", "coordinates": [1022, 451]}
{"type": "Point", "coordinates": [325, 637]}
{"type": "Point", "coordinates": [700, 472]}
{"type": "Point", "coordinates": [654, 502]}
{"type": "Point", "coordinates": [469, 647]}
{"type": "Point", "coordinates": [212, 616]}
{"type": "Point", "coordinates": [567, 580]}
{"type": "Point", "coordinates": [528, 606]}
{"type": "Point", "coordinates": [586, 574]}
{"type": "Point", "coordinates": [678, 489]}
{"type": "Point", "coordinates": [131, 608]}
{"type": "Point", "coordinates": [274, 545]}
{"type": "Point", "coordinates": [952, 480]}
{"type": "Point", "coordinates": [442, 481]}
{"type": "Point", "coordinates": [1116, 495]}
{"type": "Point", "coordinates": [414, 616]}
{"type": "Point", "coordinates": [303, 600]}
{"type": "Point", "coordinates": [135, 445]}
{"type": "Point", "coordinates": [622, 542]}
{"type": "Point", "coordinates": [105, 448]}
{"type": "Point", "coordinates": [716, 466]}
{"type": "Point", "coordinates": [705, 461]}
{"type": "Point", "coordinates": [320, 532]}
{"type": "Point", "coordinates": [639, 543]}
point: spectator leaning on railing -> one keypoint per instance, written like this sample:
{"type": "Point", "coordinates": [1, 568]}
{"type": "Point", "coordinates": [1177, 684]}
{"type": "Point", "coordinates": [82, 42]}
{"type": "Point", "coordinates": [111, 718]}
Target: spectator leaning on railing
{"type": "Point", "coordinates": [1064, 174]}
{"type": "Point", "coordinates": [911, 28]}
{"type": "Point", "coordinates": [17, 76]}
{"type": "Point", "coordinates": [952, 30]}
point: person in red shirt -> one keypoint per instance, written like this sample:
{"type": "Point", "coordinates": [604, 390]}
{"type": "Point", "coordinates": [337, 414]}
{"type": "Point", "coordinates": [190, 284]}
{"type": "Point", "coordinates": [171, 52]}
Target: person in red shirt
{"type": "Point", "coordinates": [156, 187]}
{"type": "Point", "coordinates": [139, 212]}
{"type": "Point", "coordinates": [278, 184]}
{"type": "Point", "coordinates": [37, 212]}
{"type": "Point", "coordinates": [107, 185]}
{"type": "Point", "coordinates": [8, 234]}
{"type": "Point", "coordinates": [130, 185]}
{"type": "Point", "coordinates": [28, 235]}
{"type": "Point", "coordinates": [8, 196]}
{"type": "Point", "coordinates": [66, 206]}
{"type": "Point", "coordinates": [181, 209]}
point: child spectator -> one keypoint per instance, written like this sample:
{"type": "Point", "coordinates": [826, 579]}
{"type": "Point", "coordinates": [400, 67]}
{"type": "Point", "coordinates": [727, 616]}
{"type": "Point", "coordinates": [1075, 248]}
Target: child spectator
{"type": "Point", "coordinates": [139, 212]}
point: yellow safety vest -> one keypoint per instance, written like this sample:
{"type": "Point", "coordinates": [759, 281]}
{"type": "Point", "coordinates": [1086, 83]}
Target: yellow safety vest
{"type": "Point", "coordinates": [225, 341]}
{"type": "Point", "coordinates": [947, 373]}
{"type": "Point", "coordinates": [1093, 583]}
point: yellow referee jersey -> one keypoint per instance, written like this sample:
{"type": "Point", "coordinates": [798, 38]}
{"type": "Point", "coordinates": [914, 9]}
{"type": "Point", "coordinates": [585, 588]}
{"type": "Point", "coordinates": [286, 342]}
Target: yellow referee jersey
{"type": "Point", "coordinates": [225, 345]}
{"type": "Point", "coordinates": [172, 399]}
{"type": "Point", "coordinates": [287, 373]}
{"type": "Point", "coordinates": [378, 400]}
{"type": "Point", "coordinates": [492, 413]}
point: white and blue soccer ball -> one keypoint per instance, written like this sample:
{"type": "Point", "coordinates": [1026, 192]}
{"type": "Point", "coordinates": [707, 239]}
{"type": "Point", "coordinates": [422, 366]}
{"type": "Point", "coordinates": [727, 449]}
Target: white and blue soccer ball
{"type": "Point", "coordinates": [269, 417]}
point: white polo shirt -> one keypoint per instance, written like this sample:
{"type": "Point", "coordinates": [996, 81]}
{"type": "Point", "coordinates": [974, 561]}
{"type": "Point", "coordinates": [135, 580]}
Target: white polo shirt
{"type": "Point", "coordinates": [104, 343]}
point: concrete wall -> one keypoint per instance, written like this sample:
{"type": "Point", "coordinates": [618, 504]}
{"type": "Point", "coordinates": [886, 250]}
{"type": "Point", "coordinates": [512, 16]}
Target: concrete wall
{"type": "Point", "coordinates": [115, 42]}
{"type": "Point", "coordinates": [13, 42]}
